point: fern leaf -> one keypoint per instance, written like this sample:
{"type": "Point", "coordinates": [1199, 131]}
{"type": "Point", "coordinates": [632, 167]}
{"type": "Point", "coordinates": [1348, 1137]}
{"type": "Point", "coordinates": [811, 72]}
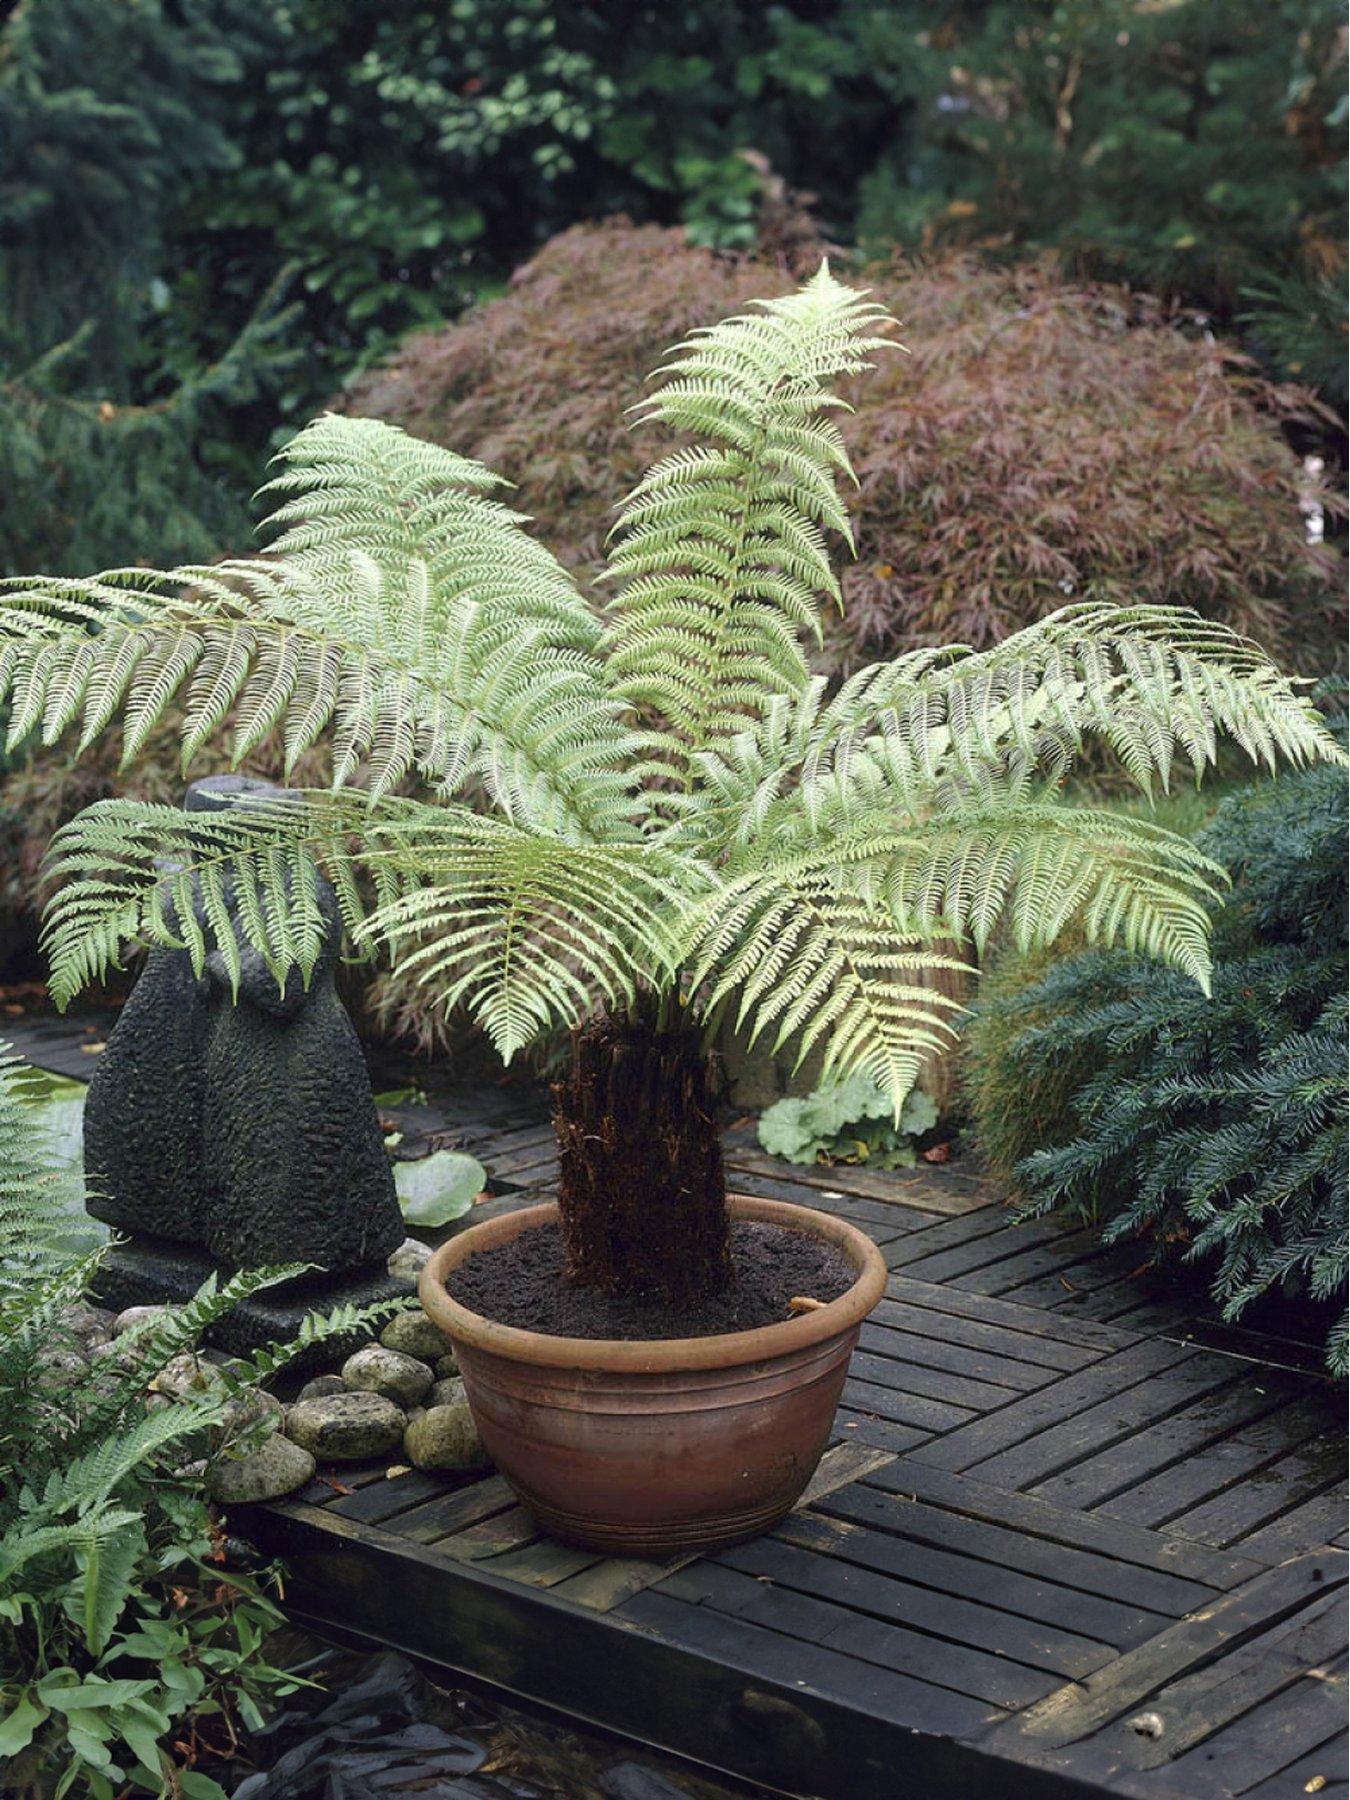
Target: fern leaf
{"type": "Point", "coordinates": [720, 558]}
{"type": "Point", "coordinates": [401, 608]}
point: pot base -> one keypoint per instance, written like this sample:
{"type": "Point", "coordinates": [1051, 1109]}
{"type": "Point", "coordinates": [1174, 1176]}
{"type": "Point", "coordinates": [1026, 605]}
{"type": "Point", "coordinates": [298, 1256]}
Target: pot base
{"type": "Point", "coordinates": [651, 1447]}
{"type": "Point", "coordinates": [710, 1532]}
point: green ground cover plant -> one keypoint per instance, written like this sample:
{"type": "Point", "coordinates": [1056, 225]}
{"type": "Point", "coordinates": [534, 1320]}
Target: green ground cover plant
{"type": "Point", "coordinates": [127, 1649]}
{"type": "Point", "coordinates": [1214, 1129]}
{"type": "Point", "coordinates": [847, 1121]}
{"type": "Point", "coordinates": [636, 822]}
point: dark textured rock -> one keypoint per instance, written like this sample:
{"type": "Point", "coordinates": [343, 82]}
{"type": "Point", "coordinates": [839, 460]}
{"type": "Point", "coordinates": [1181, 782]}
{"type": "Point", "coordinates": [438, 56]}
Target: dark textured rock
{"type": "Point", "coordinates": [294, 1164]}
{"type": "Point", "coordinates": [243, 1129]}
{"type": "Point", "coordinates": [133, 1273]}
{"type": "Point", "coordinates": [143, 1111]}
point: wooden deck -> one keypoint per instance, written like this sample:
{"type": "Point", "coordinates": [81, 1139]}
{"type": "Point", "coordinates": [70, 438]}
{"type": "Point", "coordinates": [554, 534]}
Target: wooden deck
{"type": "Point", "coordinates": [1070, 1540]}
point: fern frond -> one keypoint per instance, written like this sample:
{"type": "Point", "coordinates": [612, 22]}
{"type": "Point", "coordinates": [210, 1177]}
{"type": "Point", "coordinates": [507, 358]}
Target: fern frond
{"type": "Point", "coordinates": [86, 1481]}
{"type": "Point", "coordinates": [138, 1355]}
{"type": "Point", "coordinates": [721, 559]}
{"type": "Point", "coordinates": [20, 1547]}
{"type": "Point", "coordinates": [828, 968]}
{"type": "Point", "coordinates": [526, 930]}
{"type": "Point", "coordinates": [529, 934]}
{"type": "Point", "coordinates": [1158, 685]}
{"type": "Point", "coordinates": [1041, 867]}
{"type": "Point", "coordinates": [401, 611]}
{"type": "Point", "coordinates": [343, 1322]}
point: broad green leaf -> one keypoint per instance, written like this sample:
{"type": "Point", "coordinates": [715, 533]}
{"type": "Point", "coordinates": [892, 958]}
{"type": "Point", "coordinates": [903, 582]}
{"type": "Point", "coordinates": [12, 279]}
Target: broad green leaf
{"type": "Point", "coordinates": [438, 1188]}
{"type": "Point", "coordinates": [20, 1725]}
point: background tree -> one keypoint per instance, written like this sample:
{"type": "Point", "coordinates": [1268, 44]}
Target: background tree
{"type": "Point", "coordinates": [164, 165]}
{"type": "Point", "coordinates": [108, 418]}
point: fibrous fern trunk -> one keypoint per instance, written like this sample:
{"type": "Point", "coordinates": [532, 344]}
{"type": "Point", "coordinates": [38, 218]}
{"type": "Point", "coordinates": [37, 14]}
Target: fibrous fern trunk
{"type": "Point", "coordinates": [642, 1190]}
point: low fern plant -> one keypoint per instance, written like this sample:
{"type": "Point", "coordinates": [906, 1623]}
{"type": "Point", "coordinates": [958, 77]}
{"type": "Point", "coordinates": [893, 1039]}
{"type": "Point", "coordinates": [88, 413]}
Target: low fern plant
{"type": "Point", "coordinates": [1214, 1127]}
{"type": "Point", "coordinates": [637, 817]}
{"type": "Point", "coordinates": [121, 1638]}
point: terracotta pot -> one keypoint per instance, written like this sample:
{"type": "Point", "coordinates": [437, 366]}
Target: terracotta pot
{"type": "Point", "coordinates": [673, 1444]}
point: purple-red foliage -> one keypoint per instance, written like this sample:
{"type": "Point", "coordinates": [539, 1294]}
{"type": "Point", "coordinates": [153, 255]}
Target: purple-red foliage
{"type": "Point", "coordinates": [1041, 441]}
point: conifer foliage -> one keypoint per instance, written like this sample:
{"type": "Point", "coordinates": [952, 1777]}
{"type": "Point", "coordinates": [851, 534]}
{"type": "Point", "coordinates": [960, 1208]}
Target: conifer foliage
{"type": "Point", "coordinates": [663, 802]}
{"type": "Point", "coordinates": [1107, 1088]}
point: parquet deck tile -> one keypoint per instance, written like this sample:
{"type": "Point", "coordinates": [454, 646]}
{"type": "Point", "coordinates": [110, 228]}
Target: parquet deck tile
{"type": "Point", "coordinates": [1067, 1514]}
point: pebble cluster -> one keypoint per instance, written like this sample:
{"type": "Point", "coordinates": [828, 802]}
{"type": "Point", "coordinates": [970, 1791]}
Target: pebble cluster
{"type": "Point", "coordinates": [400, 1398]}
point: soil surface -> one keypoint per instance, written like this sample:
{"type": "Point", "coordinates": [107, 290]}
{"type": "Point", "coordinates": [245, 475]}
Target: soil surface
{"type": "Point", "coordinates": [521, 1283]}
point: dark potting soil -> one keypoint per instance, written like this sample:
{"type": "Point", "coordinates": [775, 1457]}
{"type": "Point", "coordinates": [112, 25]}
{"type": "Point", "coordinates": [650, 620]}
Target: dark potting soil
{"type": "Point", "coordinates": [521, 1284]}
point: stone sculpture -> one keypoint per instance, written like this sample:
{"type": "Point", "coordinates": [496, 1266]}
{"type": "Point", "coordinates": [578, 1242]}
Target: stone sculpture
{"type": "Point", "coordinates": [227, 1133]}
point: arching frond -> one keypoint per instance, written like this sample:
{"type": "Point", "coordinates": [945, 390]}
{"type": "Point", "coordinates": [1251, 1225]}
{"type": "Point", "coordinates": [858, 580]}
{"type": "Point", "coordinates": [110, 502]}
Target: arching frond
{"type": "Point", "coordinates": [1044, 870]}
{"type": "Point", "coordinates": [527, 930]}
{"type": "Point", "coordinates": [817, 941]}
{"type": "Point", "coordinates": [826, 968]}
{"type": "Point", "coordinates": [721, 558]}
{"type": "Point", "coordinates": [947, 728]}
{"type": "Point", "coordinates": [528, 934]}
{"type": "Point", "coordinates": [401, 613]}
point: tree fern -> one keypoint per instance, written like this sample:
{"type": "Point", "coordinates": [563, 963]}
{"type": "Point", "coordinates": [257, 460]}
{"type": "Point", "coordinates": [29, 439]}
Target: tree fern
{"type": "Point", "coordinates": [663, 801]}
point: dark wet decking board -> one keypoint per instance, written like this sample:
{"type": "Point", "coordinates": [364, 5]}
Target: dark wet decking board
{"type": "Point", "coordinates": [1061, 1547]}
{"type": "Point", "coordinates": [1071, 1541]}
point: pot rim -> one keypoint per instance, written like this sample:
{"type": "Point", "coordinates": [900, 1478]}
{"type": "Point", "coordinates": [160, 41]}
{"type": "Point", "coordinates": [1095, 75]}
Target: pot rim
{"type": "Point", "coordinates": [726, 1349]}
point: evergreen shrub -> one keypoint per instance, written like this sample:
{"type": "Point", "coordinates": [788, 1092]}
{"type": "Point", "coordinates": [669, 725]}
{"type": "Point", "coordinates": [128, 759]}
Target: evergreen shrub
{"type": "Point", "coordinates": [1214, 1127]}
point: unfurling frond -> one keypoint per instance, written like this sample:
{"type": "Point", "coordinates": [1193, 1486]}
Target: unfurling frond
{"type": "Point", "coordinates": [721, 556]}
